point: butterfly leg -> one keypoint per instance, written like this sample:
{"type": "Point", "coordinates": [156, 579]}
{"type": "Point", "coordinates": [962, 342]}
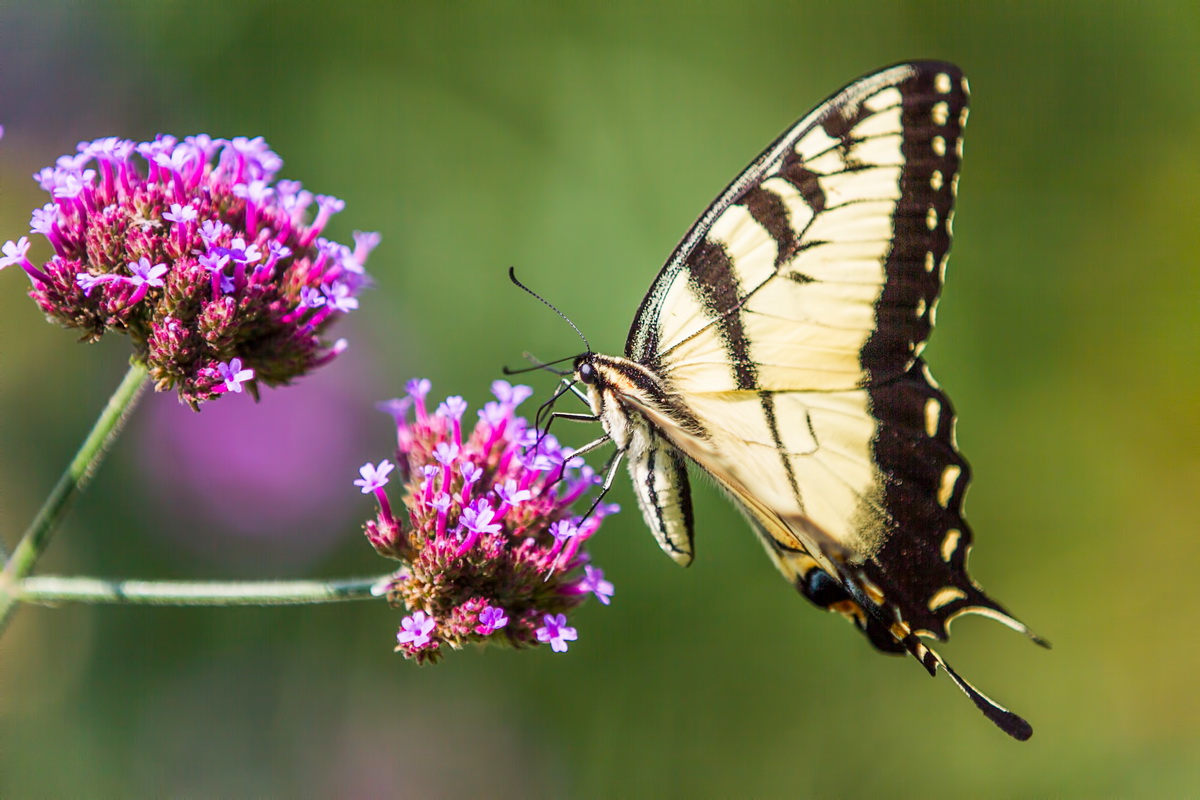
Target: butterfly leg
{"type": "Point", "coordinates": [610, 468]}
{"type": "Point", "coordinates": [587, 448]}
{"type": "Point", "coordinates": [575, 390]}
{"type": "Point", "coordinates": [572, 418]}
{"type": "Point", "coordinates": [610, 473]}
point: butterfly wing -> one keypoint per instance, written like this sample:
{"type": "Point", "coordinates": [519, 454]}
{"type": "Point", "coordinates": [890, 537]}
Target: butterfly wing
{"type": "Point", "coordinates": [789, 324]}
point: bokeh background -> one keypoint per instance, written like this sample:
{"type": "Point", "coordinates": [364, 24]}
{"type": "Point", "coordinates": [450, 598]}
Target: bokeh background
{"type": "Point", "coordinates": [578, 143]}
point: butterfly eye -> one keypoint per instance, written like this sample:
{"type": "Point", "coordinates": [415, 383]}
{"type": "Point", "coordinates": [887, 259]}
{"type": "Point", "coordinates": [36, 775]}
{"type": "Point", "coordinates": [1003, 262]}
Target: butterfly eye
{"type": "Point", "coordinates": [587, 373]}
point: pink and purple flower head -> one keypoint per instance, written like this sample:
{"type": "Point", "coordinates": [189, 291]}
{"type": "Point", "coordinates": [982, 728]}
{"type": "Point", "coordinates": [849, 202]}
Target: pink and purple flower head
{"type": "Point", "coordinates": [187, 247]}
{"type": "Point", "coordinates": [490, 547]}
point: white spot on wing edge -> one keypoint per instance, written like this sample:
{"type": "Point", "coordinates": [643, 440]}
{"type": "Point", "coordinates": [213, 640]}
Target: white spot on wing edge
{"type": "Point", "coordinates": [950, 544]}
{"type": "Point", "coordinates": [946, 487]}
{"type": "Point", "coordinates": [929, 376]}
{"type": "Point", "coordinates": [940, 112]}
{"type": "Point", "coordinates": [933, 414]}
{"type": "Point", "coordinates": [936, 181]}
{"type": "Point", "coordinates": [931, 218]}
{"type": "Point", "coordinates": [945, 596]}
{"type": "Point", "coordinates": [929, 261]}
{"type": "Point", "coordinates": [939, 146]}
{"type": "Point", "coordinates": [942, 83]}
{"type": "Point", "coordinates": [991, 613]}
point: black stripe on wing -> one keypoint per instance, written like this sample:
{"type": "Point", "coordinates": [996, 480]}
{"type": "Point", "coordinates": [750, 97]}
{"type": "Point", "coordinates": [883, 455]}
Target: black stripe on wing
{"type": "Point", "coordinates": [714, 278]}
{"type": "Point", "coordinates": [933, 112]}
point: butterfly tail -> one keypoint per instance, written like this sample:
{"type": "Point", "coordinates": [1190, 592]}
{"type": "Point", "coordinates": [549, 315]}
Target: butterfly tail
{"type": "Point", "coordinates": [1012, 724]}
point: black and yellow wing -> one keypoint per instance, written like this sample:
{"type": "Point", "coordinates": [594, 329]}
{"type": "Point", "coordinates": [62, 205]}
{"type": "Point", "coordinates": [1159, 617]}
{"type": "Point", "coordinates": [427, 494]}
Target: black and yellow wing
{"type": "Point", "coordinates": [779, 349]}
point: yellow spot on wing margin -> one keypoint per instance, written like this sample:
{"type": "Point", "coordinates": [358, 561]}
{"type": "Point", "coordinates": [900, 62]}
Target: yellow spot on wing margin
{"type": "Point", "coordinates": [945, 596]}
{"type": "Point", "coordinates": [933, 414]}
{"type": "Point", "coordinates": [949, 479]}
{"type": "Point", "coordinates": [950, 544]}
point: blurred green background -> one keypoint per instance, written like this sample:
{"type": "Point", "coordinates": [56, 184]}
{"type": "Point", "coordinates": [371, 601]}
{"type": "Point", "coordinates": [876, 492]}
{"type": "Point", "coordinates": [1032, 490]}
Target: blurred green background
{"type": "Point", "coordinates": [578, 144]}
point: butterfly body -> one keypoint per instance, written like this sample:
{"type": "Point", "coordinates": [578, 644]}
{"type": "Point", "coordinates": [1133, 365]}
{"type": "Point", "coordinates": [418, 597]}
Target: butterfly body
{"type": "Point", "coordinates": [779, 351]}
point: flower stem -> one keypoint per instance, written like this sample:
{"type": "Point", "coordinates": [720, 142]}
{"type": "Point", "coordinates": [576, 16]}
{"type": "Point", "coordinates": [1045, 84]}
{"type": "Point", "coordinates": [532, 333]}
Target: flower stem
{"type": "Point", "coordinates": [51, 590]}
{"type": "Point", "coordinates": [72, 481]}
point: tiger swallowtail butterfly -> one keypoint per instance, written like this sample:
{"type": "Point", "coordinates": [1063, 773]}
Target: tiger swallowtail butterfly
{"type": "Point", "coordinates": [779, 350]}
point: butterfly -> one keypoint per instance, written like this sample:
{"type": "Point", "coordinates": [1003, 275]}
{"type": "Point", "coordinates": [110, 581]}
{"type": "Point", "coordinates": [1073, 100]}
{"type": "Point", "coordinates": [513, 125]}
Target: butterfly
{"type": "Point", "coordinates": [779, 351]}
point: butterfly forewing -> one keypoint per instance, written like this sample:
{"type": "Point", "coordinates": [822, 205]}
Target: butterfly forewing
{"type": "Point", "coordinates": [785, 335]}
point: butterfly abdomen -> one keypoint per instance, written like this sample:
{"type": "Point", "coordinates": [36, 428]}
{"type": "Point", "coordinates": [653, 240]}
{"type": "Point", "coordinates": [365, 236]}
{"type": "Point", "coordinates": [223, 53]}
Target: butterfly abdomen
{"type": "Point", "coordinates": [624, 395]}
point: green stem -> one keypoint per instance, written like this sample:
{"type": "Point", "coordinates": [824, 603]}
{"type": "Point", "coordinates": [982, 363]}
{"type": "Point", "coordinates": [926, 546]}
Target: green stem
{"type": "Point", "coordinates": [50, 590]}
{"type": "Point", "coordinates": [73, 480]}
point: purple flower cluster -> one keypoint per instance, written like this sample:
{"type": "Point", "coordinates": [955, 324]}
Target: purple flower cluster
{"type": "Point", "coordinates": [200, 258]}
{"type": "Point", "coordinates": [492, 552]}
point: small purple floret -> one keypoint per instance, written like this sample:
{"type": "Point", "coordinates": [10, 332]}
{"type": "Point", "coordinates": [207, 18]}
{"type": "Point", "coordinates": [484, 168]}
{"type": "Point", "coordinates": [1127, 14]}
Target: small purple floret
{"type": "Point", "coordinates": [510, 494]}
{"type": "Point", "coordinates": [233, 374]}
{"type": "Point", "coordinates": [491, 619]}
{"type": "Point", "coordinates": [445, 453]}
{"type": "Point", "coordinates": [471, 473]}
{"type": "Point", "coordinates": [563, 530]}
{"type": "Point", "coordinates": [556, 632]}
{"type": "Point", "coordinates": [415, 630]}
{"type": "Point", "coordinates": [14, 252]}
{"type": "Point", "coordinates": [143, 273]}
{"type": "Point", "coordinates": [452, 407]}
{"type": "Point", "coordinates": [374, 477]}
{"type": "Point", "coordinates": [180, 214]}
{"type": "Point", "coordinates": [593, 581]}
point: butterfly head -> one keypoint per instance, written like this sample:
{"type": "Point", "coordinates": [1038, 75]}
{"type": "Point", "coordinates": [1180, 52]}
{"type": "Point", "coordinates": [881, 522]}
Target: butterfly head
{"type": "Point", "coordinates": [585, 369]}
{"type": "Point", "coordinates": [618, 388]}
{"type": "Point", "coordinates": [590, 373]}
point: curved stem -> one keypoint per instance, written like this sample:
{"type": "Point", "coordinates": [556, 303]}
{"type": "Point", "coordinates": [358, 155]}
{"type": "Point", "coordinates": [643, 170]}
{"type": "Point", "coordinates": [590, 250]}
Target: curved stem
{"type": "Point", "coordinates": [72, 481]}
{"type": "Point", "coordinates": [51, 590]}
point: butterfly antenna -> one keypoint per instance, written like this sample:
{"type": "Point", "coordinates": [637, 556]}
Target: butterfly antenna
{"type": "Point", "coordinates": [539, 364]}
{"type": "Point", "coordinates": [512, 276]}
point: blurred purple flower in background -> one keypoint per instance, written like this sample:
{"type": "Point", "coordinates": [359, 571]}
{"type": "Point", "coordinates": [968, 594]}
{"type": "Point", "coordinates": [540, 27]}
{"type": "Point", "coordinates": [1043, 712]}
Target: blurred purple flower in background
{"type": "Point", "coordinates": [492, 551]}
{"type": "Point", "coordinates": [259, 483]}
